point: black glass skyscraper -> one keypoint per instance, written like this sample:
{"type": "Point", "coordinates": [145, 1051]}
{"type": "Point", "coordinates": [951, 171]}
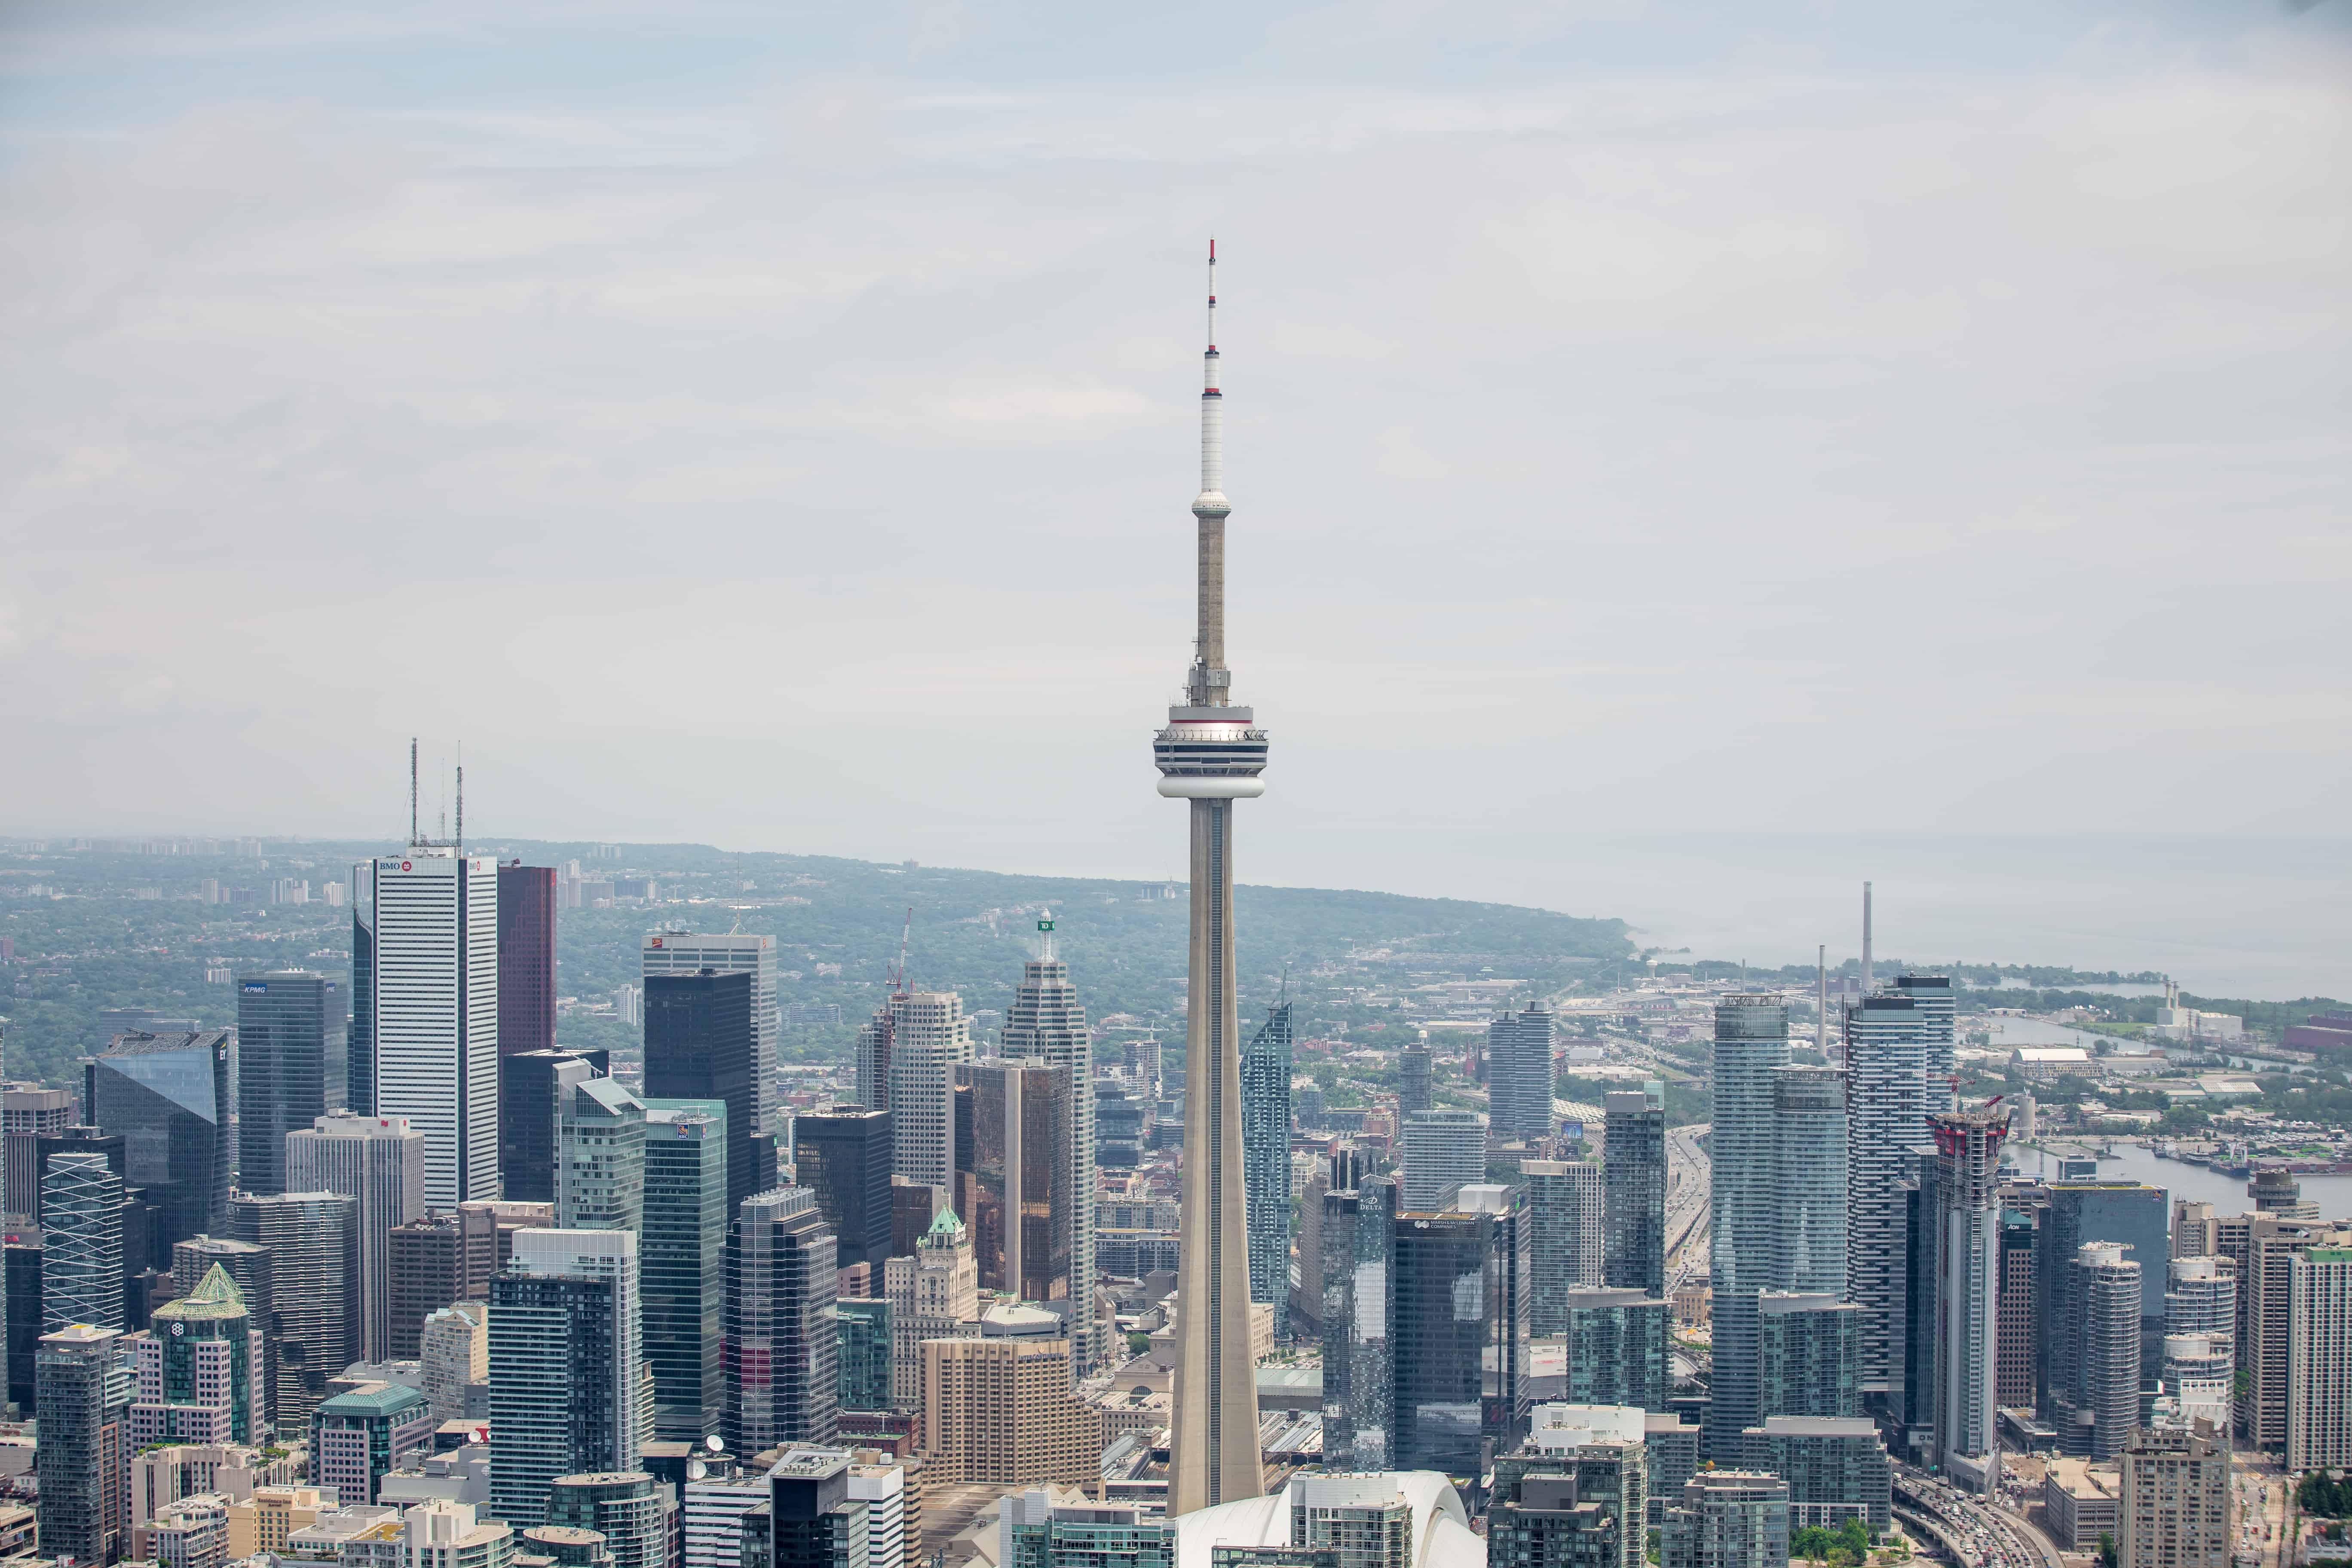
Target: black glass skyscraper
{"type": "Point", "coordinates": [843, 1157]}
{"type": "Point", "coordinates": [290, 1047]}
{"type": "Point", "coordinates": [1458, 1293]}
{"type": "Point", "coordinates": [527, 1106]}
{"type": "Point", "coordinates": [167, 1096]}
{"type": "Point", "coordinates": [700, 1045]}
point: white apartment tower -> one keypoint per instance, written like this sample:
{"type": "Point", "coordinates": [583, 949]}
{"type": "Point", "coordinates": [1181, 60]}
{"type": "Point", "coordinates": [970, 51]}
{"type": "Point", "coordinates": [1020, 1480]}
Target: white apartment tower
{"type": "Point", "coordinates": [424, 1010]}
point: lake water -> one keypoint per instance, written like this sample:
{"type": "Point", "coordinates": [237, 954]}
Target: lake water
{"type": "Point", "coordinates": [2198, 1183]}
{"type": "Point", "coordinates": [2262, 918]}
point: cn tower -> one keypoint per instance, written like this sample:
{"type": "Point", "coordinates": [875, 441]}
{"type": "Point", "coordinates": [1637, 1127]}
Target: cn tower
{"type": "Point", "coordinates": [1210, 754]}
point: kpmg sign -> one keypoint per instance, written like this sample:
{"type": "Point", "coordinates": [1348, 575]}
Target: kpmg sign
{"type": "Point", "coordinates": [255, 987]}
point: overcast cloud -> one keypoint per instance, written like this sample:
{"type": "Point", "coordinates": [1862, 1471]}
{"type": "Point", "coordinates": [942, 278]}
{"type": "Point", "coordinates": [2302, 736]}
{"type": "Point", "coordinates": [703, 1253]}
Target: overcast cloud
{"type": "Point", "coordinates": [776, 428]}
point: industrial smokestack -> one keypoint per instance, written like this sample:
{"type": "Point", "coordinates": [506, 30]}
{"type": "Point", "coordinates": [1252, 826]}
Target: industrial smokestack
{"type": "Point", "coordinates": [1865, 939]}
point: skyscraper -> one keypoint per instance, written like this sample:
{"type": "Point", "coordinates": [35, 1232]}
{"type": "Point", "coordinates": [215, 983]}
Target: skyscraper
{"type": "Point", "coordinates": [1617, 1348]}
{"type": "Point", "coordinates": [1046, 1022]}
{"type": "Point", "coordinates": [1358, 1375]}
{"type": "Point", "coordinates": [874, 1059]}
{"type": "Point", "coordinates": [1208, 756]}
{"type": "Point", "coordinates": [2135, 1216]}
{"type": "Point", "coordinates": [1806, 1365]}
{"type": "Point", "coordinates": [929, 1038]}
{"type": "Point", "coordinates": [81, 1243]}
{"type": "Point", "coordinates": [934, 1293]}
{"type": "Point", "coordinates": [600, 1167]}
{"type": "Point", "coordinates": [2267, 1246]}
{"type": "Point", "coordinates": [1442, 1150]}
{"type": "Point", "coordinates": [865, 1353]}
{"type": "Point", "coordinates": [526, 959]}
{"type": "Point", "coordinates": [1633, 1173]}
{"type": "Point", "coordinates": [28, 1114]}
{"type": "Point", "coordinates": [782, 1375]}
{"type": "Point", "coordinates": [1458, 1289]}
{"type": "Point", "coordinates": [1958, 1369]}
{"type": "Point", "coordinates": [1518, 1076]}
{"type": "Point", "coordinates": [702, 1042]}
{"type": "Point", "coordinates": [434, 1261]}
{"type": "Point", "coordinates": [166, 1095]}
{"type": "Point", "coordinates": [2201, 1297]}
{"type": "Point", "coordinates": [200, 1370]}
{"type": "Point", "coordinates": [2319, 1358]}
{"type": "Point", "coordinates": [1265, 1162]}
{"type": "Point", "coordinates": [1564, 1232]}
{"type": "Point", "coordinates": [750, 1110]}
{"type": "Point", "coordinates": [380, 1161]}
{"type": "Point", "coordinates": [290, 1033]}
{"type": "Point", "coordinates": [531, 1085]}
{"type": "Point", "coordinates": [313, 1242]}
{"type": "Point", "coordinates": [2099, 1404]}
{"type": "Point", "coordinates": [1898, 1055]}
{"type": "Point", "coordinates": [1414, 1091]}
{"type": "Point", "coordinates": [1751, 1044]}
{"type": "Point", "coordinates": [2020, 1300]}
{"type": "Point", "coordinates": [82, 1395]}
{"type": "Point", "coordinates": [842, 1155]}
{"type": "Point", "coordinates": [564, 1366]}
{"type": "Point", "coordinates": [425, 1009]}
{"type": "Point", "coordinates": [682, 1263]}
{"type": "Point", "coordinates": [1001, 1411]}
{"type": "Point", "coordinates": [1013, 1176]}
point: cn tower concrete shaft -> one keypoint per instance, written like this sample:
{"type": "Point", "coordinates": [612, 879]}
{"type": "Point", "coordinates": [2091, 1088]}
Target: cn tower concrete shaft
{"type": "Point", "coordinates": [1214, 1444]}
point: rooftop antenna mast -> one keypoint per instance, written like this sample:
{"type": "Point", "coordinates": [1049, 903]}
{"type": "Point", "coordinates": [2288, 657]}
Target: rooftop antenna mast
{"type": "Point", "coordinates": [412, 839]}
{"type": "Point", "coordinates": [460, 842]}
{"type": "Point", "coordinates": [899, 976]}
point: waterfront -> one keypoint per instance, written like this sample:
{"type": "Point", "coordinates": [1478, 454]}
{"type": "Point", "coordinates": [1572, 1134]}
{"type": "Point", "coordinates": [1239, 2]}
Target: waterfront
{"type": "Point", "coordinates": [2199, 1183]}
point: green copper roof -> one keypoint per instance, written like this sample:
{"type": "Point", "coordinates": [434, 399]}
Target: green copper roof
{"type": "Point", "coordinates": [215, 1297]}
{"type": "Point", "coordinates": [945, 1223]}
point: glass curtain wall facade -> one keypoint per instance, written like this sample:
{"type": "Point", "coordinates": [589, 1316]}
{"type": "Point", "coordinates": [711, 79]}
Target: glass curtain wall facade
{"type": "Point", "coordinates": [843, 1156]}
{"type": "Point", "coordinates": [291, 1032]}
{"type": "Point", "coordinates": [1565, 1207]}
{"type": "Point", "coordinates": [682, 1264]}
{"type": "Point", "coordinates": [1265, 1162]}
{"type": "Point", "coordinates": [1633, 1170]}
{"type": "Point", "coordinates": [702, 1042]}
{"type": "Point", "coordinates": [167, 1097]}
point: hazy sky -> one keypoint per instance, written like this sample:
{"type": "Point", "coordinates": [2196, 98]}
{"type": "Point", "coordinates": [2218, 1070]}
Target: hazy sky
{"type": "Point", "coordinates": [775, 426]}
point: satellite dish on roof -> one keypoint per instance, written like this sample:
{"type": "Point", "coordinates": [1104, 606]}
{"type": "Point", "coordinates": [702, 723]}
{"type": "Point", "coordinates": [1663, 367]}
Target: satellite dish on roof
{"type": "Point", "coordinates": [714, 1445]}
{"type": "Point", "coordinates": [696, 1469]}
